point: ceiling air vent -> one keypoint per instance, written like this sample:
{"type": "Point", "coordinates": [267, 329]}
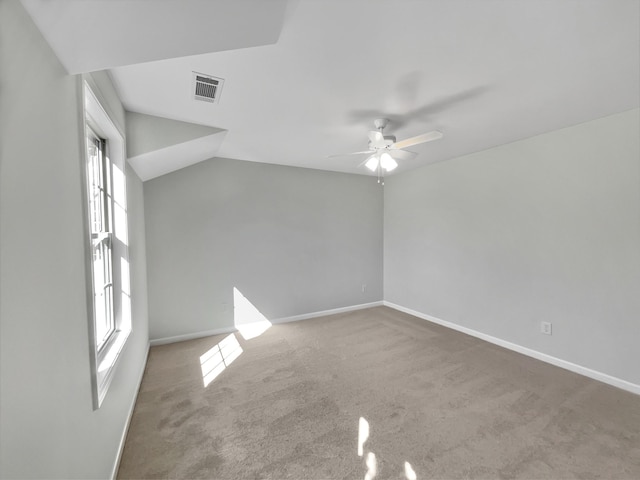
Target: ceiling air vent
{"type": "Point", "coordinates": [206, 87]}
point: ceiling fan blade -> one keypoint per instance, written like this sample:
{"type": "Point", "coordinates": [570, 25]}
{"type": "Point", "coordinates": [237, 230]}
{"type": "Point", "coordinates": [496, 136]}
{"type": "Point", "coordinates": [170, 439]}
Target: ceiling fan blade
{"type": "Point", "coordinates": [402, 154]}
{"type": "Point", "coordinates": [376, 139]}
{"type": "Point", "coordinates": [425, 137]}
{"type": "Point", "coordinates": [348, 154]}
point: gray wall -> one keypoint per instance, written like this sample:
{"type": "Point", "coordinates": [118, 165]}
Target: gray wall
{"type": "Point", "coordinates": [291, 240]}
{"type": "Point", "coordinates": [48, 427]}
{"type": "Point", "coordinates": [544, 229]}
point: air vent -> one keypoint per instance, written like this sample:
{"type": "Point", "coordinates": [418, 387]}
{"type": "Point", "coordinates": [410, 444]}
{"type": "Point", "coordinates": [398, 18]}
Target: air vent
{"type": "Point", "coordinates": [206, 87]}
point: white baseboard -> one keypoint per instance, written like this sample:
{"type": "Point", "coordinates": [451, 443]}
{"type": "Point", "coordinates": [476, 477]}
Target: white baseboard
{"type": "Point", "coordinates": [325, 313]}
{"type": "Point", "coordinates": [558, 362]}
{"type": "Point", "coordinates": [191, 336]}
{"type": "Point", "coordinates": [123, 437]}
{"type": "Point", "coordinates": [587, 372]}
{"type": "Point", "coordinates": [231, 329]}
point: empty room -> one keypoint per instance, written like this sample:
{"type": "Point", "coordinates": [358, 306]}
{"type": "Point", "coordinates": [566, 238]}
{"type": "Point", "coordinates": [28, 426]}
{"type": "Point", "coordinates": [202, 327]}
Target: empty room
{"type": "Point", "coordinates": [319, 239]}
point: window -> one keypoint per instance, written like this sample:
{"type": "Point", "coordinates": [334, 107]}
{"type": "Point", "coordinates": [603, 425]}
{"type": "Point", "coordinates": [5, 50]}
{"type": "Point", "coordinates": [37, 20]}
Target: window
{"type": "Point", "coordinates": [100, 208]}
{"type": "Point", "coordinates": [107, 258]}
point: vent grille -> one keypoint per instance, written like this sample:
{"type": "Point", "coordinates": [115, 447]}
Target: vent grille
{"type": "Point", "coordinates": [206, 88]}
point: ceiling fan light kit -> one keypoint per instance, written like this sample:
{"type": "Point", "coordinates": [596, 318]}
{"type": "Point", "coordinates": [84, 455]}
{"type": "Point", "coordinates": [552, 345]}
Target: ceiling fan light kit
{"type": "Point", "coordinates": [383, 147]}
{"type": "Point", "coordinates": [372, 163]}
{"type": "Point", "coordinates": [387, 162]}
{"type": "Point", "coordinates": [382, 160]}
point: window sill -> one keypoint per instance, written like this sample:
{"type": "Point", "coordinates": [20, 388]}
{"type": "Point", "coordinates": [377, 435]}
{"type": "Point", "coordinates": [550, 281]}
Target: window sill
{"type": "Point", "coordinates": [106, 364]}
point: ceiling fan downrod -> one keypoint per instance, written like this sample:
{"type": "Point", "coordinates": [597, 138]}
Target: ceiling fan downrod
{"type": "Point", "coordinates": [380, 123]}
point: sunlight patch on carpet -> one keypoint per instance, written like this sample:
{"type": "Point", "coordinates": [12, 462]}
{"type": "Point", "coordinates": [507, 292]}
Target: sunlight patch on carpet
{"type": "Point", "coordinates": [409, 472]}
{"type": "Point", "coordinates": [218, 358]}
{"type": "Point", "coordinates": [363, 435]}
{"type": "Point", "coordinates": [370, 460]}
{"type": "Point", "coordinates": [372, 466]}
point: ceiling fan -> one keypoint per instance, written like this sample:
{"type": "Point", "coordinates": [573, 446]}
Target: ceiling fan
{"type": "Point", "coordinates": [384, 149]}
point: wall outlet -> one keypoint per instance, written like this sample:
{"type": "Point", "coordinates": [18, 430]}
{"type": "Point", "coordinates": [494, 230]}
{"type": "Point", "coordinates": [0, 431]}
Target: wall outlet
{"type": "Point", "coordinates": [545, 327]}
{"type": "Point", "coordinates": [364, 287]}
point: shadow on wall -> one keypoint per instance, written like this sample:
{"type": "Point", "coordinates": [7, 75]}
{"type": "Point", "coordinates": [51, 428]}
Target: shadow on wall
{"type": "Point", "coordinates": [248, 320]}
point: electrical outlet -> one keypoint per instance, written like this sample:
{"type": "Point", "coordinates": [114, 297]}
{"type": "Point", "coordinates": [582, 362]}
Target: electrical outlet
{"type": "Point", "coordinates": [545, 327]}
{"type": "Point", "coordinates": [364, 287]}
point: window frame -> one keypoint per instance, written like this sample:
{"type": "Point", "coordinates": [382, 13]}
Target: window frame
{"type": "Point", "coordinates": [104, 356]}
{"type": "Point", "coordinates": [101, 237]}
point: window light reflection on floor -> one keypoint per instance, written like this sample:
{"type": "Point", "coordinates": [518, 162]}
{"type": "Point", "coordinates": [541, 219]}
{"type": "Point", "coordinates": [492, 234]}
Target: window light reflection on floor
{"type": "Point", "coordinates": [363, 435]}
{"type": "Point", "coordinates": [409, 472]}
{"type": "Point", "coordinates": [219, 357]}
{"type": "Point", "coordinates": [372, 466]}
{"type": "Point", "coordinates": [370, 460]}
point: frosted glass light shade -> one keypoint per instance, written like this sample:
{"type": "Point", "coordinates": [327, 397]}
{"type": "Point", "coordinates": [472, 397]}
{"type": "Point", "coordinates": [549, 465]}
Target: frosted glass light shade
{"type": "Point", "coordinates": [387, 162]}
{"type": "Point", "coordinates": [372, 163]}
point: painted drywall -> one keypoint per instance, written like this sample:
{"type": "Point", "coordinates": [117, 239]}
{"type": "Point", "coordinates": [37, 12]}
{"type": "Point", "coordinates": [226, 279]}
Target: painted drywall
{"type": "Point", "coordinates": [291, 240]}
{"type": "Point", "coordinates": [157, 146]}
{"type": "Point", "coordinates": [100, 82]}
{"type": "Point", "coordinates": [147, 133]}
{"type": "Point", "coordinates": [139, 338]}
{"type": "Point", "coordinates": [93, 36]}
{"type": "Point", "coordinates": [48, 426]}
{"type": "Point", "coordinates": [544, 229]}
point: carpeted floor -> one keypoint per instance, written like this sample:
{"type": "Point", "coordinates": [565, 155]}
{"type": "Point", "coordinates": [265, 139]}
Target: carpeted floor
{"type": "Point", "coordinates": [297, 401]}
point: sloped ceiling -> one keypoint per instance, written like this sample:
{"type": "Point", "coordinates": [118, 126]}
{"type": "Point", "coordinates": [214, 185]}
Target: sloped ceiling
{"type": "Point", "coordinates": [156, 145]}
{"type": "Point", "coordinates": [100, 34]}
{"type": "Point", "coordinates": [484, 72]}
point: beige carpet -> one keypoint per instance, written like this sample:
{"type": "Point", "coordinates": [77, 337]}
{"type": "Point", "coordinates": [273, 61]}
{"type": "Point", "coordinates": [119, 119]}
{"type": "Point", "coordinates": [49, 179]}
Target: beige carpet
{"type": "Point", "coordinates": [437, 403]}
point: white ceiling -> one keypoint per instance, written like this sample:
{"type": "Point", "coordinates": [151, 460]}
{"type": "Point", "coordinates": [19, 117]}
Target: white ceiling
{"type": "Point", "coordinates": [100, 34]}
{"type": "Point", "coordinates": [484, 72]}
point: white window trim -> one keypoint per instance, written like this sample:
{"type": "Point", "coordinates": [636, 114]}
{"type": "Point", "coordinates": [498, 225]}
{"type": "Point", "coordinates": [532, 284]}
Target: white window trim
{"type": "Point", "coordinates": [103, 363]}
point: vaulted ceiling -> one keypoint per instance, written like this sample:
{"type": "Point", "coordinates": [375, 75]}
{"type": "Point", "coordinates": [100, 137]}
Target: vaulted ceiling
{"type": "Point", "coordinates": [306, 79]}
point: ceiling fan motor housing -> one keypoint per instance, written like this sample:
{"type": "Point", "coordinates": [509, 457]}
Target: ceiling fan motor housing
{"type": "Point", "coordinates": [388, 141]}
